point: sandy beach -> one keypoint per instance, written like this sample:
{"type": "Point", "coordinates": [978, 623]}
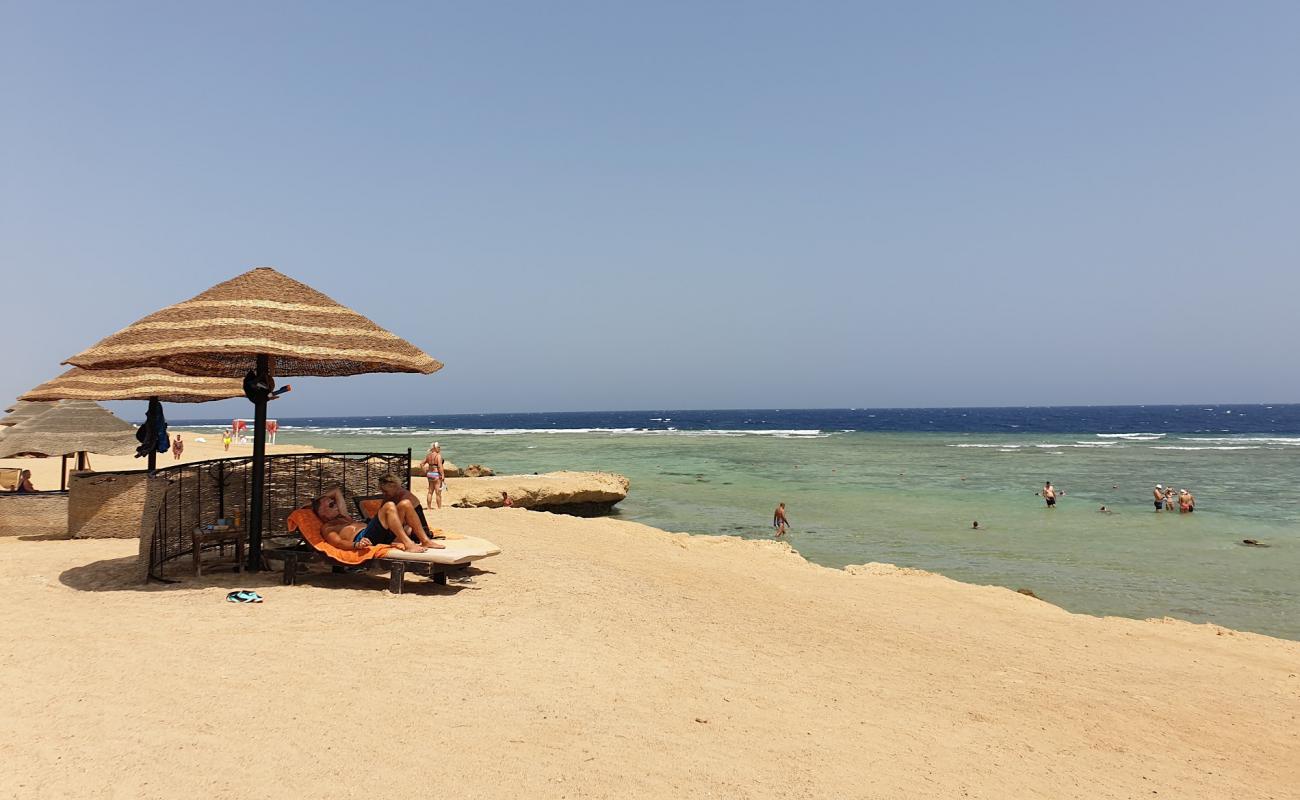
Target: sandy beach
{"type": "Point", "coordinates": [45, 471]}
{"type": "Point", "coordinates": [599, 658]}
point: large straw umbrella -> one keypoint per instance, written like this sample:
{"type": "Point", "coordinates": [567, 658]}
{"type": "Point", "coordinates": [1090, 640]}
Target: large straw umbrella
{"type": "Point", "coordinates": [69, 427]}
{"type": "Point", "coordinates": [142, 383]}
{"type": "Point", "coordinates": [255, 326]}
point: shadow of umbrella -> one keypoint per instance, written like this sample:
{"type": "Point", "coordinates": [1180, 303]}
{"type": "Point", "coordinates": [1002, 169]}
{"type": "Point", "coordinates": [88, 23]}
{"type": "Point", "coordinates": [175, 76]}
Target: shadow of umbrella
{"type": "Point", "coordinates": [254, 327]}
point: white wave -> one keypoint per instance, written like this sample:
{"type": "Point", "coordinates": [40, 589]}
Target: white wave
{"type": "Point", "coordinates": [1284, 440]}
{"type": "Point", "coordinates": [408, 432]}
{"type": "Point", "coordinates": [1176, 447]}
{"type": "Point", "coordinates": [1136, 437]}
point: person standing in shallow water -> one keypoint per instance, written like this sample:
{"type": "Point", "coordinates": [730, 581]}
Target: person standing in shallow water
{"type": "Point", "coordinates": [1049, 494]}
{"type": "Point", "coordinates": [779, 520]}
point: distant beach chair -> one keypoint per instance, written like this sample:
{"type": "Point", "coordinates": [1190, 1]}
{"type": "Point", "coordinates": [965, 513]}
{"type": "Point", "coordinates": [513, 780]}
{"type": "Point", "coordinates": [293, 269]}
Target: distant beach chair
{"type": "Point", "coordinates": [433, 564]}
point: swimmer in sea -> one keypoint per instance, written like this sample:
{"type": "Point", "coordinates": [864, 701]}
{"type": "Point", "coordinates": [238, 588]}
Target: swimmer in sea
{"type": "Point", "coordinates": [1049, 494]}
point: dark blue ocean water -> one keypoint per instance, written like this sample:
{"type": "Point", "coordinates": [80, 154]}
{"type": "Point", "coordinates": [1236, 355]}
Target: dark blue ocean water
{"type": "Point", "coordinates": [1192, 418]}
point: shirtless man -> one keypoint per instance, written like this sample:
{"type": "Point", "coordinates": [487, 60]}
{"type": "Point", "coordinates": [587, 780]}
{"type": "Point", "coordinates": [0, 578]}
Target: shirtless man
{"type": "Point", "coordinates": [345, 533]}
{"type": "Point", "coordinates": [779, 520]}
{"type": "Point", "coordinates": [395, 493]}
{"type": "Point", "coordinates": [432, 465]}
{"type": "Point", "coordinates": [1159, 494]}
{"type": "Point", "coordinates": [178, 447]}
{"type": "Point", "coordinates": [1049, 494]}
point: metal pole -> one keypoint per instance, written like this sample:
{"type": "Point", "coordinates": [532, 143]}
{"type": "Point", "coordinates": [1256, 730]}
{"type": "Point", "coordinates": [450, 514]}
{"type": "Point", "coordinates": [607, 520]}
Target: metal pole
{"type": "Point", "coordinates": [63, 473]}
{"type": "Point", "coordinates": [152, 465]}
{"type": "Point", "coordinates": [259, 467]}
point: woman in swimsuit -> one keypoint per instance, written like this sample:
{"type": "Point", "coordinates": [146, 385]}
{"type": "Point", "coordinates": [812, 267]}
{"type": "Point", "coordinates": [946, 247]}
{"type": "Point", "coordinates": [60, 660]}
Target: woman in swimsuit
{"type": "Point", "coordinates": [432, 465]}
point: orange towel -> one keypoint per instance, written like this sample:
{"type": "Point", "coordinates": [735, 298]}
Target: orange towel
{"type": "Point", "coordinates": [305, 521]}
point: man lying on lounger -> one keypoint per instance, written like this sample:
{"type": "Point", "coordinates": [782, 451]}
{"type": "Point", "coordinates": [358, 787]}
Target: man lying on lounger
{"type": "Point", "coordinates": [393, 525]}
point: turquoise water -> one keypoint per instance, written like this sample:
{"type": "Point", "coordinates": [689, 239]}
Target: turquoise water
{"type": "Point", "coordinates": [910, 499]}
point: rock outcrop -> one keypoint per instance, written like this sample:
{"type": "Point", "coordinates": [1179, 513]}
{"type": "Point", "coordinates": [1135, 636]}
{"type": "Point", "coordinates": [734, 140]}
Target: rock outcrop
{"type": "Point", "coordinates": [583, 494]}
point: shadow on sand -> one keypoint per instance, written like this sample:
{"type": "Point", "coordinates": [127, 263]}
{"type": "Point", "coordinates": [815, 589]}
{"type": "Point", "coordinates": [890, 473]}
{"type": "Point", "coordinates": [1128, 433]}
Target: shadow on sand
{"type": "Point", "coordinates": [123, 575]}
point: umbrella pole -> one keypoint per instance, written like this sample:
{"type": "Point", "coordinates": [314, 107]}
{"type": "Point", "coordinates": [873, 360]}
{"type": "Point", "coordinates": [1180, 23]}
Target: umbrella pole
{"type": "Point", "coordinates": [154, 446]}
{"type": "Point", "coordinates": [259, 467]}
{"type": "Point", "coordinates": [63, 473]}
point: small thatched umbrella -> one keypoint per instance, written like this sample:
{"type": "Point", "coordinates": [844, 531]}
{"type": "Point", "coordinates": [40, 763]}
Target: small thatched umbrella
{"type": "Point", "coordinates": [134, 384]}
{"type": "Point", "coordinates": [22, 410]}
{"type": "Point", "coordinates": [252, 327]}
{"type": "Point", "coordinates": [68, 427]}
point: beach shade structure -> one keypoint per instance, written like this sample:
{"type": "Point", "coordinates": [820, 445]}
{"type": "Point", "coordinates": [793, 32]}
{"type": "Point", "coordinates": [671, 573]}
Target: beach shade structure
{"type": "Point", "coordinates": [69, 427]}
{"type": "Point", "coordinates": [254, 327]}
{"type": "Point", "coordinates": [142, 383]}
{"type": "Point", "coordinates": [22, 410]}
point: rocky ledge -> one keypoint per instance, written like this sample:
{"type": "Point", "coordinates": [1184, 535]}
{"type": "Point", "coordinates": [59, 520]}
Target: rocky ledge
{"type": "Point", "coordinates": [583, 494]}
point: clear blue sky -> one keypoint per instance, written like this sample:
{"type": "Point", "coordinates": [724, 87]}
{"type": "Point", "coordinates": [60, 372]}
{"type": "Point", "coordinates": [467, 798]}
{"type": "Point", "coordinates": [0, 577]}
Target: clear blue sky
{"type": "Point", "coordinates": [610, 205]}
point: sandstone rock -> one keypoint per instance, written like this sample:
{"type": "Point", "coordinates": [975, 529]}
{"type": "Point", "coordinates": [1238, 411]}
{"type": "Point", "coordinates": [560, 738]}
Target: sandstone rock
{"type": "Point", "coordinates": [477, 471]}
{"type": "Point", "coordinates": [577, 493]}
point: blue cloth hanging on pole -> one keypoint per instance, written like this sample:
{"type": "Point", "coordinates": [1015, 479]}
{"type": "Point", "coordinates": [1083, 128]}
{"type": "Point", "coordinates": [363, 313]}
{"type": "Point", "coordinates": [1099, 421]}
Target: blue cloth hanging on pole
{"type": "Point", "coordinates": [153, 430]}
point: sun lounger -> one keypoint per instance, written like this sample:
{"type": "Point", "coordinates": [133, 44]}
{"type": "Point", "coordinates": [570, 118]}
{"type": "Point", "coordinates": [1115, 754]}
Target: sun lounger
{"type": "Point", "coordinates": [434, 564]}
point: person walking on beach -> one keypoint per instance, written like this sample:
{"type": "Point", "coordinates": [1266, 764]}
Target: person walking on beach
{"type": "Point", "coordinates": [432, 465]}
{"type": "Point", "coordinates": [178, 447]}
{"type": "Point", "coordinates": [779, 520]}
{"type": "Point", "coordinates": [225, 439]}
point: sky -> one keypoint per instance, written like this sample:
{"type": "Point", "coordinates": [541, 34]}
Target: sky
{"type": "Point", "coordinates": [609, 205]}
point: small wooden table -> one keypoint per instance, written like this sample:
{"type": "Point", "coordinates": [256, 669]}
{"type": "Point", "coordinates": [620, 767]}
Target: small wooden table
{"type": "Point", "coordinates": [235, 536]}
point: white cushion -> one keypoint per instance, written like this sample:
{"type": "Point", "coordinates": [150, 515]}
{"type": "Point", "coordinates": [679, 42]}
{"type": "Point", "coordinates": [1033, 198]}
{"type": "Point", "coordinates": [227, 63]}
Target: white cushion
{"type": "Point", "coordinates": [454, 551]}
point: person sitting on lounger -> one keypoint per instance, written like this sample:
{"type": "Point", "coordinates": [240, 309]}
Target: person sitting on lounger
{"type": "Point", "coordinates": [395, 492]}
{"type": "Point", "coordinates": [386, 527]}
{"type": "Point", "coordinates": [25, 483]}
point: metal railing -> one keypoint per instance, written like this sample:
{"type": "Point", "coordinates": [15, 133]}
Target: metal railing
{"type": "Point", "coordinates": [205, 491]}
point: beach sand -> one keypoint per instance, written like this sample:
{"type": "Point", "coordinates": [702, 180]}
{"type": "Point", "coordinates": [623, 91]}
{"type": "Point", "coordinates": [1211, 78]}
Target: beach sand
{"type": "Point", "coordinates": [599, 658]}
{"type": "Point", "coordinates": [45, 471]}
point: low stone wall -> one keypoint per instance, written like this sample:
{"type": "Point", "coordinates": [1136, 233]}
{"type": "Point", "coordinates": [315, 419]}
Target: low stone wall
{"type": "Point", "coordinates": [105, 505]}
{"type": "Point", "coordinates": [41, 514]}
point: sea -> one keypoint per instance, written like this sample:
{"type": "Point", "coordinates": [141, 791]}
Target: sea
{"type": "Point", "coordinates": [904, 486]}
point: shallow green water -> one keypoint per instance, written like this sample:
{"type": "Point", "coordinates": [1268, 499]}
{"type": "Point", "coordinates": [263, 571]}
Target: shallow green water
{"type": "Point", "coordinates": [901, 498]}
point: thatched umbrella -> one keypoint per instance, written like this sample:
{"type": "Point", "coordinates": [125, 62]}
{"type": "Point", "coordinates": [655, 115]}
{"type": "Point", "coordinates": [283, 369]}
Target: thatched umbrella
{"type": "Point", "coordinates": [133, 384]}
{"type": "Point", "coordinates": [22, 410]}
{"type": "Point", "coordinates": [142, 383]}
{"type": "Point", "coordinates": [67, 427]}
{"type": "Point", "coordinates": [253, 327]}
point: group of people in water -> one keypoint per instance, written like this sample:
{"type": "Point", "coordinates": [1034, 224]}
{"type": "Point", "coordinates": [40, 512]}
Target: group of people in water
{"type": "Point", "coordinates": [1167, 499]}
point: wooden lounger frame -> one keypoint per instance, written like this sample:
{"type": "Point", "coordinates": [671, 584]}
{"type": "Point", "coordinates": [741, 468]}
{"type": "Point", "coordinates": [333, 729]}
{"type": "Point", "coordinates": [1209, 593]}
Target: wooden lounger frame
{"type": "Point", "coordinates": [397, 568]}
